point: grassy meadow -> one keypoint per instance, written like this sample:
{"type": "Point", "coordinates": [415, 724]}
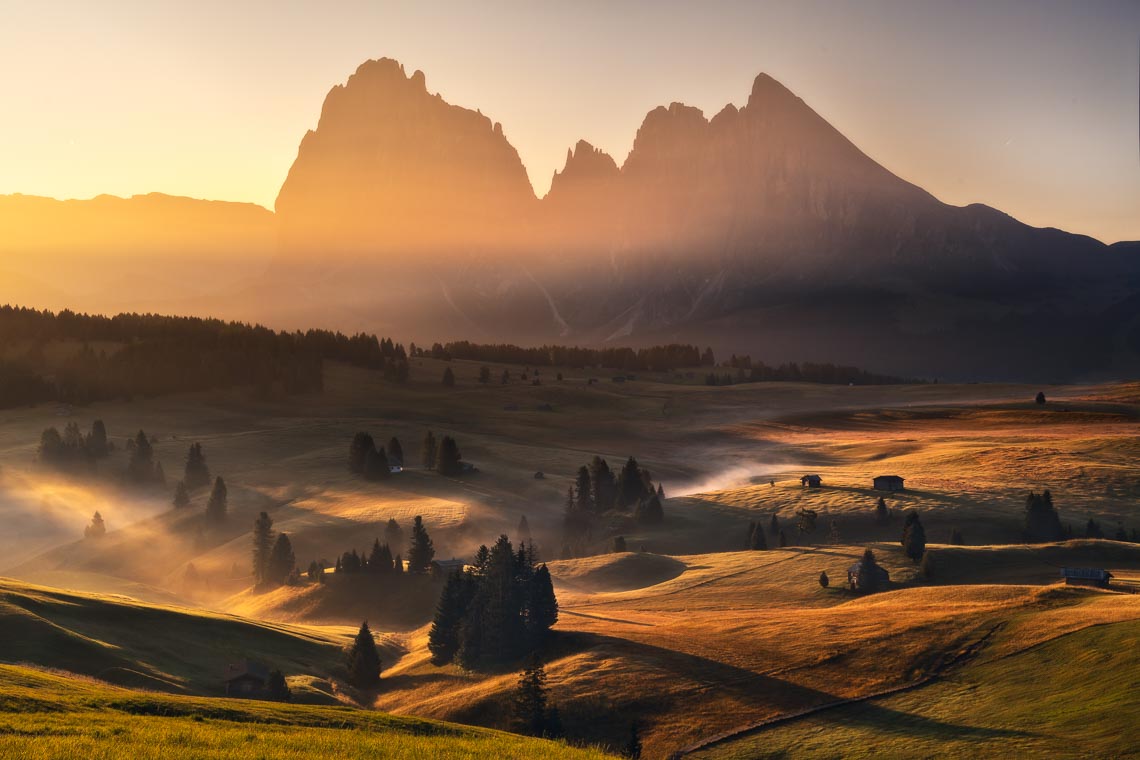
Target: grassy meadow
{"type": "Point", "coordinates": [685, 633]}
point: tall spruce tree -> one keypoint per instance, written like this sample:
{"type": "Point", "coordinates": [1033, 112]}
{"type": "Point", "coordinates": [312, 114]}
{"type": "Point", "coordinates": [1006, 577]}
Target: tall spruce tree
{"type": "Point", "coordinates": [97, 528]}
{"type": "Point", "coordinates": [1042, 523]}
{"type": "Point", "coordinates": [428, 451]}
{"type": "Point", "coordinates": [583, 489]}
{"type": "Point", "coordinates": [395, 452]}
{"type": "Point", "coordinates": [393, 533]}
{"type": "Point", "coordinates": [363, 660]}
{"type": "Point", "coordinates": [448, 459]}
{"type": "Point", "coordinates": [181, 495]}
{"type": "Point", "coordinates": [196, 474]}
{"type": "Point", "coordinates": [358, 451]}
{"type": "Point", "coordinates": [97, 444]}
{"type": "Point", "coordinates": [420, 549]}
{"type": "Point", "coordinates": [375, 465]}
{"type": "Point", "coordinates": [443, 638]}
{"type": "Point", "coordinates": [914, 536]}
{"type": "Point", "coordinates": [882, 514]}
{"type": "Point", "coordinates": [282, 562]}
{"type": "Point", "coordinates": [541, 608]}
{"type": "Point", "coordinates": [448, 378]}
{"type": "Point", "coordinates": [649, 511]}
{"type": "Point", "coordinates": [756, 539]}
{"type": "Point", "coordinates": [630, 487]}
{"type": "Point", "coordinates": [140, 468]}
{"type": "Point", "coordinates": [603, 485]}
{"type": "Point", "coordinates": [262, 548]}
{"type": "Point", "coordinates": [523, 531]}
{"type": "Point", "coordinates": [218, 504]}
{"type": "Point", "coordinates": [530, 699]}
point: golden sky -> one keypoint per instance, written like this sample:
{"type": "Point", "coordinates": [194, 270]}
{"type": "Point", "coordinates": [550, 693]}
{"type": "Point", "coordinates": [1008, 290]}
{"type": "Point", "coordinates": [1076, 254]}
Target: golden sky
{"type": "Point", "coordinates": [1030, 107]}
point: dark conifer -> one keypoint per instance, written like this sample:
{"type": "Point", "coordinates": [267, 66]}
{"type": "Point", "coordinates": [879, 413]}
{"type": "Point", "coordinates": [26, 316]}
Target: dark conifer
{"type": "Point", "coordinates": [197, 473]}
{"type": "Point", "coordinates": [217, 505]}
{"type": "Point", "coordinates": [783, 540]}
{"type": "Point", "coordinates": [584, 490]}
{"type": "Point", "coordinates": [649, 511]}
{"type": "Point", "coordinates": [97, 528]}
{"type": "Point", "coordinates": [362, 445]}
{"type": "Point", "coordinates": [1093, 529]}
{"type": "Point", "coordinates": [523, 531]}
{"type": "Point", "coordinates": [530, 699]}
{"type": "Point", "coordinates": [420, 549]}
{"type": "Point", "coordinates": [428, 451]}
{"type": "Point", "coordinates": [281, 560]}
{"type": "Point", "coordinates": [363, 660]}
{"type": "Point", "coordinates": [632, 748]}
{"type": "Point", "coordinates": [393, 533]}
{"type": "Point", "coordinates": [262, 548]}
{"type": "Point", "coordinates": [448, 378]}
{"type": "Point", "coordinates": [375, 465]}
{"type": "Point", "coordinates": [824, 581]}
{"type": "Point", "coordinates": [914, 536]}
{"type": "Point", "coordinates": [1042, 523]}
{"type": "Point", "coordinates": [618, 545]}
{"type": "Point", "coordinates": [443, 638]}
{"type": "Point", "coordinates": [140, 468]}
{"type": "Point", "coordinates": [956, 537]}
{"type": "Point", "coordinates": [395, 452]}
{"type": "Point", "coordinates": [882, 514]}
{"type": "Point", "coordinates": [181, 495]}
{"type": "Point", "coordinates": [97, 444]}
{"type": "Point", "coordinates": [541, 608]}
{"type": "Point", "coordinates": [448, 460]}
{"type": "Point", "coordinates": [774, 526]}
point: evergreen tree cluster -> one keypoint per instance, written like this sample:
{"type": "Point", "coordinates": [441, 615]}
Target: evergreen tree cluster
{"type": "Point", "coordinates": [1042, 523]}
{"type": "Point", "coordinates": [156, 355]}
{"type": "Point", "coordinates": [73, 448]}
{"type": "Point", "coordinates": [914, 536]}
{"type": "Point", "coordinates": [597, 490]}
{"type": "Point", "coordinates": [654, 359]}
{"type": "Point", "coordinates": [755, 539]}
{"type": "Point", "coordinates": [372, 462]}
{"type": "Point", "coordinates": [274, 562]}
{"type": "Point", "coordinates": [496, 611]}
{"type": "Point", "coordinates": [532, 713]}
{"type": "Point", "coordinates": [747, 371]}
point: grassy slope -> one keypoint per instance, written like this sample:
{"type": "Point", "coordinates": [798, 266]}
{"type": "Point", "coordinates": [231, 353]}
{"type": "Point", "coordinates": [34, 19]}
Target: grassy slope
{"type": "Point", "coordinates": [739, 637]}
{"type": "Point", "coordinates": [1075, 696]}
{"type": "Point", "coordinates": [50, 715]}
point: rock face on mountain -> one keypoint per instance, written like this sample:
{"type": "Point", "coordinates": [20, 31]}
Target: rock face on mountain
{"type": "Point", "coordinates": [762, 228]}
{"type": "Point", "coordinates": [393, 168]}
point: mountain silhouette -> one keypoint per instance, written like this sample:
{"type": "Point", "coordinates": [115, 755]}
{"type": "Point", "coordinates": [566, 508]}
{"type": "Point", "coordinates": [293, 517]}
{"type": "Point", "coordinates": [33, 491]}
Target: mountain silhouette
{"type": "Point", "coordinates": [762, 229]}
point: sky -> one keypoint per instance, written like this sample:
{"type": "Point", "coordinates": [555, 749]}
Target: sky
{"type": "Point", "coordinates": [1030, 107]}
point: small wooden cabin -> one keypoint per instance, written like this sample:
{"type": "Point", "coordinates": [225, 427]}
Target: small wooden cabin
{"type": "Point", "coordinates": [889, 483]}
{"type": "Point", "coordinates": [441, 568]}
{"type": "Point", "coordinates": [1086, 576]}
{"type": "Point", "coordinates": [246, 679]}
{"type": "Point", "coordinates": [811, 481]}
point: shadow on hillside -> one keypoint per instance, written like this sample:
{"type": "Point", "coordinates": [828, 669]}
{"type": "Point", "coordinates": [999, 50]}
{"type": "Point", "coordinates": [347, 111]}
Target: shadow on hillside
{"type": "Point", "coordinates": [894, 721]}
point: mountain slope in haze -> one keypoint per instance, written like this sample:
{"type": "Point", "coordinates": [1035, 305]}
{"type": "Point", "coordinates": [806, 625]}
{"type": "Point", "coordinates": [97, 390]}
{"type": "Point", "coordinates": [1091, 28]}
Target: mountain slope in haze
{"type": "Point", "coordinates": [761, 229]}
{"type": "Point", "coordinates": [150, 252]}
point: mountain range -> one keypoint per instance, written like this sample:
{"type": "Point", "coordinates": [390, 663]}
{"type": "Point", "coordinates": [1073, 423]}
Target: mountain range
{"type": "Point", "coordinates": [761, 230]}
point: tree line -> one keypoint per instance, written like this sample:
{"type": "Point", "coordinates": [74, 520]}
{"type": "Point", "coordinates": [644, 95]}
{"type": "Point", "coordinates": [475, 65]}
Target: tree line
{"type": "Point", "coordinates": [597, 490]}
{"type": "Point", "coordinates": [152, 355]}
{"type": "Point", "coordinates": [498, 610]}
{"type": "Point", "coordinates": [373, 462]}
{"type": "Point", "coordinates": [748, 371]}
{"type": "Point", "coordinates": [655, 358]}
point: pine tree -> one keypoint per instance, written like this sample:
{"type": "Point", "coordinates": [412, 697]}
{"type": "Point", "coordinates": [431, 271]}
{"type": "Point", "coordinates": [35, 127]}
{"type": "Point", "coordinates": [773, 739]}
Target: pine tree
{"type": "Point", "coordinates": [584, 491]}
{"type": "Point", "coordinates": [1042, 523]}
{"type": "Point", "coordinates": [630, 486]}
{"type": "Point", "coordinates": [420, 550]}
{"type": "Point", "coordinates": [428, 451]}
{"type": "Point", "coordinates": [181, 495]}
{"type": "Point", "coordinates": [868, 572]}
{"type": "Point", "coordinates": [262, 548]}
{"type": "Point", "coordinates": [97, 528]}
{"type": "Point", "coordinates": [649, 511]}
{"type": "Point", "coordinates": [398, 565]}
{"type": "Point", "coordinates": [756, 540]}
{"type": "Point", "coordinates": [541, 605]}
{"type": "Point", "coordinates": [393, 533]}
{"type": "Point", "coordinates": [448, 460]}
{"type": "Point", "coordinates": [618, 545]}
{"type": "Point", "coordinates": [364, 660]}
{"type": "Point", "coordinates": [281, 560]}
{"type": "Point", "coordinates": [660, 492]}
{"type": "Point", "coordinates": [140, 469]}
{"type": "Point", "coordinates": [882, 514]}
{"type": "Point", "coordinates": [602, 483]}
{"type": "Point", "coordinates": [395, 452]}
{"type": "Point", "coordinates": [530, 699]}
{"type": "Point", "coordinates": [774, 526]}
{"type": "Point", "coordinates": [824, 581]}
{"type": "Point", "coordinates": [1093, 529]}
{"type": "Point", "coordinates": [277, 688]}
{"type": "Point", "coordinates": [1040, 399]}
{"type": "Point", "coordinates": [448, 378]}
{"type": "Point", "coordinates": [914, 536]}
{"type": "Point", "coordinates": [217, 505]}
{"type": "Point", "coordinates": [375, 465]}
{"type": "Point", "coordinates": [362, 445]}
{"type": "Point", "coordinates": [443, 638]}
{"type": "Point", "coordinates": [97, 445]}
{"type": "Point", "coordinates": [956, 537]}
{"type": "Point", "coordinates": [197, 473]}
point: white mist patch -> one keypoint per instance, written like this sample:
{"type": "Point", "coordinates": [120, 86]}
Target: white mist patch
{"type": "Point", "coordinates": [40, 511]}
{"type": "Point", "coordinates": [753, 473]}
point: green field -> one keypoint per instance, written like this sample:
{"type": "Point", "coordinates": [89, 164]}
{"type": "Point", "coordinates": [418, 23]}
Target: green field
{"type": "Point", "coordinates": [1075, 696]}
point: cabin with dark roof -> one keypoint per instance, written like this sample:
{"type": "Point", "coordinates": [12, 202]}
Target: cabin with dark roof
{"type": "Point", "coordinates": [441, 568]}
{"type": "Point", "coordinates": [1086, 576]}
{"type": "Point", "coordinates": [246, 679]}
{"type": "Point", "coordinates": [811, 481]}
{"type": "Point", "coordinates": [889, 483]}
